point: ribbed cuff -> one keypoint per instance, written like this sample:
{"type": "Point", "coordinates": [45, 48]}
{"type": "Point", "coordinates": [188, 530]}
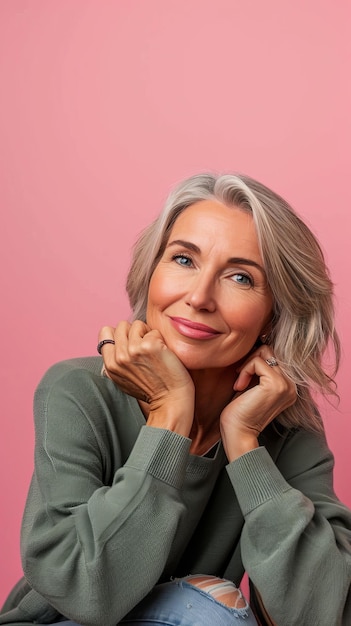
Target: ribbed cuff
{"type": "Point", "coordinates": [162, 453]}
{"type": "Point", "coordinates": [256, 479]}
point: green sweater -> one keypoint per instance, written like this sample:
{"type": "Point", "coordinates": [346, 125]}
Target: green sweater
{"type": "Point", "coordinates": [116, 506]}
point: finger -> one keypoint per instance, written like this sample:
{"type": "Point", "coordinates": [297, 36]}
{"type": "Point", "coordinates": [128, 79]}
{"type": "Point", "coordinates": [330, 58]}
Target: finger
{"type": "Point", "coordinates": [256, 366]}
{"type": "Point", "coordinates": [102, 343]}
{"type": "Point", "coordinates": [153, 340]}
{"type": "Point", "coordinates": [264, 351]}
{"type": "Point", "coordinates": [110, 337]}
{"type": "Point", "coordinates": [106, 339]}
{"type": "Point", "coordinates": [138, 330]}
{"type": "Point", "coordinates": [106, 332]}
{"type": "Point", "coordinates": [139, 343]}
{"type": "Point", "coordinates": [144, 340]}
{"type": "Point", "coordinates": [272, 361]}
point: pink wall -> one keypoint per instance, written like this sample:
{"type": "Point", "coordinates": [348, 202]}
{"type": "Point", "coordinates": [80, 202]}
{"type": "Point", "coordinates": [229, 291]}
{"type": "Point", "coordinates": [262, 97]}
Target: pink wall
{"type": "Point", "coordinates": [105, 105]}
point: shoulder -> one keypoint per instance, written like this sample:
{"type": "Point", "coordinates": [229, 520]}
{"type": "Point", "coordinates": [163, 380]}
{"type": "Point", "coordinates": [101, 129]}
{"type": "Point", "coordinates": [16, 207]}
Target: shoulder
{"type": "Point", "coordinates": [75, 389]}
{"type": "Point", "coordinates": [69, 385]}
{"type": "Point", "coordinates": [90, 365]}
{"type": "Point", "coordinates": [302, 456]}
{"type": "Point", "coordinates": [77, 377]}
{"type": "Point", "coordinates": [305, 448]}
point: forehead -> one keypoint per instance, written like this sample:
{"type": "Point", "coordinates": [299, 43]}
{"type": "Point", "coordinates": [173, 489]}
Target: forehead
{"type": "Point", "coordinates": [213, 209]}
{"type": "Point", "coordinates": [211, 219]}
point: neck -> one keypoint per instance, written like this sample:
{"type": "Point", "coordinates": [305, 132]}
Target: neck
{"type": "Point", "coordinates": [213, 391]}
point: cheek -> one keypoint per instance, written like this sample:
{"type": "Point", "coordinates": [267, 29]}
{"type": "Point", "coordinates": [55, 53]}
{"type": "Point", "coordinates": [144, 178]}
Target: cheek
{"type": "Point", "coordinates": [157, 296]}
{"type": "Point", "coordinates": [164, 289]}
{"type": "Point", "coordinates": [250, 315]}
{"type": "Point", "coordinates": [156, 290]}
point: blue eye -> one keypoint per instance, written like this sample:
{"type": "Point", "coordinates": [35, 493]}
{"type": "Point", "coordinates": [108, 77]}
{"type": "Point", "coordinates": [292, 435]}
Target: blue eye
{"type": "Point", "coordinates": [243, 279]}
{"type": "Point", "coordinates": [182, 259]}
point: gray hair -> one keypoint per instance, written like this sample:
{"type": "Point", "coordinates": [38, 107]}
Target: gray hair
{"type": "Point", "coordinates": [303, 316]}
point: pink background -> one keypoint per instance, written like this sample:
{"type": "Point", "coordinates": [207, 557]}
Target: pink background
{"type": "Point", "coordinates": [104, 105]}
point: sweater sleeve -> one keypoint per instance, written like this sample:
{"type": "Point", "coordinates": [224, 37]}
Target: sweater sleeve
{"type": "Point", "coordinates": [296, 540]}
{"type": "Point", "coordinates": [93, 549]}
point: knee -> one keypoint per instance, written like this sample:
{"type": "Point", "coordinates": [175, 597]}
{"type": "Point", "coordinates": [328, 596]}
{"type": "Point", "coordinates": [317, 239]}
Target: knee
{"type": "Point", "coordinates": [222, 590]}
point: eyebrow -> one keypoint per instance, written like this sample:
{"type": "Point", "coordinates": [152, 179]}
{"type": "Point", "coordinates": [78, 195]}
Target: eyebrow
{"type": "Point", "coordinates": [233, 260]}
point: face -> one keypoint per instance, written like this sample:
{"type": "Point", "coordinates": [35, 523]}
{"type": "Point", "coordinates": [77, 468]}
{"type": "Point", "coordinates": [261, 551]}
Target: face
{"type": "Point", "coordinates": [208, 295]}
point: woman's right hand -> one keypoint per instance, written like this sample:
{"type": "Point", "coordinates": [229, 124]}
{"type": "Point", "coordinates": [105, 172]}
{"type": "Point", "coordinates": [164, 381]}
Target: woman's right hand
{"type": "Point", "coordinates": [141, 365]}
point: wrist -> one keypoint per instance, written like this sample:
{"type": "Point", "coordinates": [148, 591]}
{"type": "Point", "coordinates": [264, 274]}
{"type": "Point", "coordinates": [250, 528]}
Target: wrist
{"type": "Point", "coordinates": [175, 416]}
{"type": "Point", "coordinates": [168, 423]}
{"type": "Point", "coordinates": [238, 444]}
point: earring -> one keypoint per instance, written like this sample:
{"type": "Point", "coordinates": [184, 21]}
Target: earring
{"type": "Point", "coordinates": [263, 338]}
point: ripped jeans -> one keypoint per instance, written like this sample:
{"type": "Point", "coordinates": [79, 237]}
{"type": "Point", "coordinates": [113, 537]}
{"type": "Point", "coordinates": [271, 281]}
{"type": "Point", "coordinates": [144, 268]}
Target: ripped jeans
{"type": "Point", "coordinates": [195, 600]}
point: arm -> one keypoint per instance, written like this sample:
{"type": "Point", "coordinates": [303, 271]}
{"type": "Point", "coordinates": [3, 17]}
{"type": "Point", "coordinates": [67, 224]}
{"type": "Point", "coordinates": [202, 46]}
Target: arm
{"type": "Point", "coordinates": [93, 549]}
{"type": "Point", "coordinates": [296, 538]}
{"type": "Point", "coordinates": [296, 541]}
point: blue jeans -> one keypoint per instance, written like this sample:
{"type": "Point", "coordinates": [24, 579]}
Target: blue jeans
{"type": "Point", "coordinates": [178, 603]}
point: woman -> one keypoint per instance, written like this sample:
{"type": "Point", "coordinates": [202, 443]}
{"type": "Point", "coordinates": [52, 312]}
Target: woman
{"type": "Point", "coordinates": [197, 453]}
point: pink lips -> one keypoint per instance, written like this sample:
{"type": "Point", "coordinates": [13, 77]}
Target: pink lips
{"type": "Point", "coordinates": [193, 330]}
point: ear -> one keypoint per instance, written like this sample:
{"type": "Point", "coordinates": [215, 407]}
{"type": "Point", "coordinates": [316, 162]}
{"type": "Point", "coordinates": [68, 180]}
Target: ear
{"type": "Point", "coordinates": [266, 331]}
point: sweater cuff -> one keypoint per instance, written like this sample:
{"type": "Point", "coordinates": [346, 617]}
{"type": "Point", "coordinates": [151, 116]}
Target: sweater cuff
{"type": "Point", "coordinates": [256, 479]}
{"type": "Point", "coordinates": [161, 453]}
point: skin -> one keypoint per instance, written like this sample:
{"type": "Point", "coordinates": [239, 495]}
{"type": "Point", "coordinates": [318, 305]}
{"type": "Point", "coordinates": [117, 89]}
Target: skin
{"type": "Point", "coordinates": [194, 360]}
{"type": "Point", "coordinates": [193, 366]}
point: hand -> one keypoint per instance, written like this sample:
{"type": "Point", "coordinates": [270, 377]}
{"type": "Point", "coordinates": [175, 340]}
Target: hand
{"type": "Point", "coordinates": [263, 392]}
{"type": "Point", "coordinates": [141, 365]}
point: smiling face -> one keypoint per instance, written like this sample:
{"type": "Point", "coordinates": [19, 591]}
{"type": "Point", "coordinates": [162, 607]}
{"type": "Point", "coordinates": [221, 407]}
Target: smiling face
{"type": "Point", "coordinates": [208, 295]}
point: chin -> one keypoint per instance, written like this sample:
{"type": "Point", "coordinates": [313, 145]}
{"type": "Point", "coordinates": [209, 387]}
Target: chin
{"type": "Point", "coordinates": [193, 362]}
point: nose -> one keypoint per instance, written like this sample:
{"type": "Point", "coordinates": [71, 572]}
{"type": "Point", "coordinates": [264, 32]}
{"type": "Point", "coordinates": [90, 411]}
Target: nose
{"type": "Point", "coordinates": [201, 293]}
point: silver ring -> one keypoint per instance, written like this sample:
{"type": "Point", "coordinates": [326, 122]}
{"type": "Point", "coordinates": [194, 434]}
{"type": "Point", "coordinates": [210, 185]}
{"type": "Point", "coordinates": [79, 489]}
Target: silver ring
{"type": "Point", "coordinates": [272, 361]}
{"type": "Point", "coordinates": [102, 343]}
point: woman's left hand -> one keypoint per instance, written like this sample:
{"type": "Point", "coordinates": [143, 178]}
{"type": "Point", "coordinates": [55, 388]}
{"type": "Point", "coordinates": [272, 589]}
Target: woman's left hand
{"type": "Point", "coordinates": [263, 392]}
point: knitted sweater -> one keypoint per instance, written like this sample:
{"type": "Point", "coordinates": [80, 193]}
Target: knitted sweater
{"type": "Point", "coordinates": [116, 506]}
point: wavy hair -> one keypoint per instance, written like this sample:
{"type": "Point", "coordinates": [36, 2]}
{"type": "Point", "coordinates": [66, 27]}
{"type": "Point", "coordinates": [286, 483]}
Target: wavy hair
{"type": "Point", "coordinates": [302, 327]}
